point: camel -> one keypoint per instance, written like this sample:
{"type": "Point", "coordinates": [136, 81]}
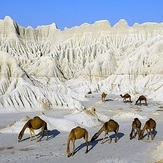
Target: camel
{"type": "Point", "coordinates": [125, 97]}
{"type": "Point", "coordinates": [141, 98]}
{"type": "Point", "coordinates": [108, 126]}
{"type": "Point", "coordinates": [34, 124]}
{"type": "Point", "coordinates": [136, 126]}
{"type": "Point", "coordinates": [76, 133]}
{"type": "Point", "coordinates": [150, 127]}
{"type": "Point", "coordinates": [103, 96]}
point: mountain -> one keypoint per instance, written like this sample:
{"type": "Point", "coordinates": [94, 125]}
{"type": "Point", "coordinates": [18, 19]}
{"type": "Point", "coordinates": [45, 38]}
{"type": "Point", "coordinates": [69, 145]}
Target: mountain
{"type": "Point", "coordinates": [46, 68]}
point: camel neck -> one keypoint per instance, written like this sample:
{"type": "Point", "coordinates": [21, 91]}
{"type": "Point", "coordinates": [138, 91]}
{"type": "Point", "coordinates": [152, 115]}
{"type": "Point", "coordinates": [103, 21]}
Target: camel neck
{"type": "Point", "coordinates": [24, 128]}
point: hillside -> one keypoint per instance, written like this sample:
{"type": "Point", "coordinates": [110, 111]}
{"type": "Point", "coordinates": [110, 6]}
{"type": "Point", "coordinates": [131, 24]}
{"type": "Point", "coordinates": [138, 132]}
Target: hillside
{"type": "Point", "coordinates": [46, 68]}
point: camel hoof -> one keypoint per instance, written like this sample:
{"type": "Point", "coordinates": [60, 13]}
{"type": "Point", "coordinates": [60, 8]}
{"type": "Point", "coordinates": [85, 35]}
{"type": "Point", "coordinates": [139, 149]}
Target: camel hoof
{"type": "Point", "coordinates": [69, 155]}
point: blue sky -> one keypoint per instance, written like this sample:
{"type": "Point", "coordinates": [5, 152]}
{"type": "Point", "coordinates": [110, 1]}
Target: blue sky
{"type": "Point", "coordinates": [69, 13]}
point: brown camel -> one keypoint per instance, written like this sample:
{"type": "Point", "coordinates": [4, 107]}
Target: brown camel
{"type": "Point", "coordinates": [150, 127]}
{"type": "Point", "coordinates": [125, 97]}
{"type": "Point", "coordinates": [34, 124]}
{"type": "Point", "coordinates": [108, 126]}
{"type": "Point", "coordinates": [136, 126]}
{"type": "Point", "coordinates": [76, 133]}
{"type": "Point", "coordinates": [103, 96]}
{"type": "Point", "coordinates": [141, 98]}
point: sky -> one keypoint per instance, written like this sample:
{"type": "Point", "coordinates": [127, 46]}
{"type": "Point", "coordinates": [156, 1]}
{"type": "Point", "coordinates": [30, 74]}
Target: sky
{"type": "Point", "coordinates": [70, 13]}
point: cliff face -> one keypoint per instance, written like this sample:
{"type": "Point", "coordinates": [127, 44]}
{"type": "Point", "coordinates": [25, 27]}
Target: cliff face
{"type": "Point", "coordinates": [115, 59]}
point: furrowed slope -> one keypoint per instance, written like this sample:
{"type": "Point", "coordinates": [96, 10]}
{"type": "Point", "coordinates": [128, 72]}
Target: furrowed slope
{"type": "Point", "coordinates": [94, 57]}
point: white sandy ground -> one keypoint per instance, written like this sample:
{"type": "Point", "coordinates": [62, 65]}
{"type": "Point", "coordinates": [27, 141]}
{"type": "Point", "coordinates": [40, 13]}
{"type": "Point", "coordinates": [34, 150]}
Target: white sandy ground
{"type": "Point", "coordinates": [61, 121]}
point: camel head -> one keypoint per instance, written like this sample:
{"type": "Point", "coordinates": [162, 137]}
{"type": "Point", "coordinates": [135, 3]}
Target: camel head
{"type": "Point", "coordinates": [140, 135]}
{"type": "Point", "coordinates": [20, 136]}
{"type": "Point", "coordinates": [95, 136]}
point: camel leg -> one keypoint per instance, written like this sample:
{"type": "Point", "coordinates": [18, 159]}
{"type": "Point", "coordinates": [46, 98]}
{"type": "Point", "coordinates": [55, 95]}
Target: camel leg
{"type": "Point", "coordinates": [68, 148]}
{"type": "Point", "coordinates": [132, 130]}
{"type": "Point", "coordinates": [30, 135]}
{"type": "Point", "coordinates": [135, 133]}
{"type": "Point", "coordinates": [45, 128]}
{"type": "Point", "coordinates": [35, 135]}
{"type": "Point", "coordinates": [109, 140]}
{"type": "Point", "coordinates": [86, 139]}
{"type": "Point", "coordinates": [116, 137]}
{"type": "Point", "coordinates": [47, 134]}
{"type": "Point", "coordinates": [148, 133]}
{"type": "Point", "coordinates": [42, 134]}
{"type": "Point", "coordinates": [145, 102]}
{"type": "Point", "coordinates": [130, 100]}
{"type": "Point", "coordinates": [153, 134]}
{"type": "Point", "coordinates": [73, 146]}
{"type": "Point", "coordinates": [138, 131]}
{"type": "Point", "coordinates": [140, 102]}
{"type": "Point", "coordinates": [103, 138]}
{"type": "Point", "coordinates": [32, 131]}
{"type": "Point", "coordinates": [86, 147]}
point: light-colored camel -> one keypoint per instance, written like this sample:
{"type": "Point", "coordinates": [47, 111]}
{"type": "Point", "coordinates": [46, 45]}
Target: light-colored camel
{"type": "Point", "coordinates": [103, 96]}
{"type": "Point", "coordinates": [76, 133]}
{"type": "Point", "coordinates": [125, 97]}
{"type": "Point", "coordinates": [141, 98]}
{"type": "Point", "coordinates": [136, 126]}
{"type": "Point", "coordinates": [150, 127]}
{"type": "Point", "coordinates": [108, 126]}
{"type": "Point", "coordinates": [34, 124]}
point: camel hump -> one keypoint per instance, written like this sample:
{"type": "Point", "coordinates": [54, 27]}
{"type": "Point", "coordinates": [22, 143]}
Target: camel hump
{"type": "Point", "coordinates": [152, 121]}
{"type": "Point", "coordinates": [142, 97]}
{"type": "Point", "coordinates": [113, 124]}
{"type": "Point", "coordinates": [36, 117]}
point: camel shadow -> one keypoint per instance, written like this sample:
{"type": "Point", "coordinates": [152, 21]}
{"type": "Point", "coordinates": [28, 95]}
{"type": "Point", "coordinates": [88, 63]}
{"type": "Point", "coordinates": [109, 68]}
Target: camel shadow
{"type": "Point", "coordinates": [25, 139]}
{"type": "Point", "coordinates": [94, 143]}
{"type": "Point", "coordinates": [80, 147]}
{"type": "Point", "coordinates": [142, 104]}
{"type": "Point", "coordinates": [120, 135]}
{"type": "Point", "coordinates": [155, 132]}
{"type": "Point", "coordinates": [128, 101]}
{"type": "Point", "coordinates": [51, 134]}
{"type": "Point", "coordinates": [108, 100]}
